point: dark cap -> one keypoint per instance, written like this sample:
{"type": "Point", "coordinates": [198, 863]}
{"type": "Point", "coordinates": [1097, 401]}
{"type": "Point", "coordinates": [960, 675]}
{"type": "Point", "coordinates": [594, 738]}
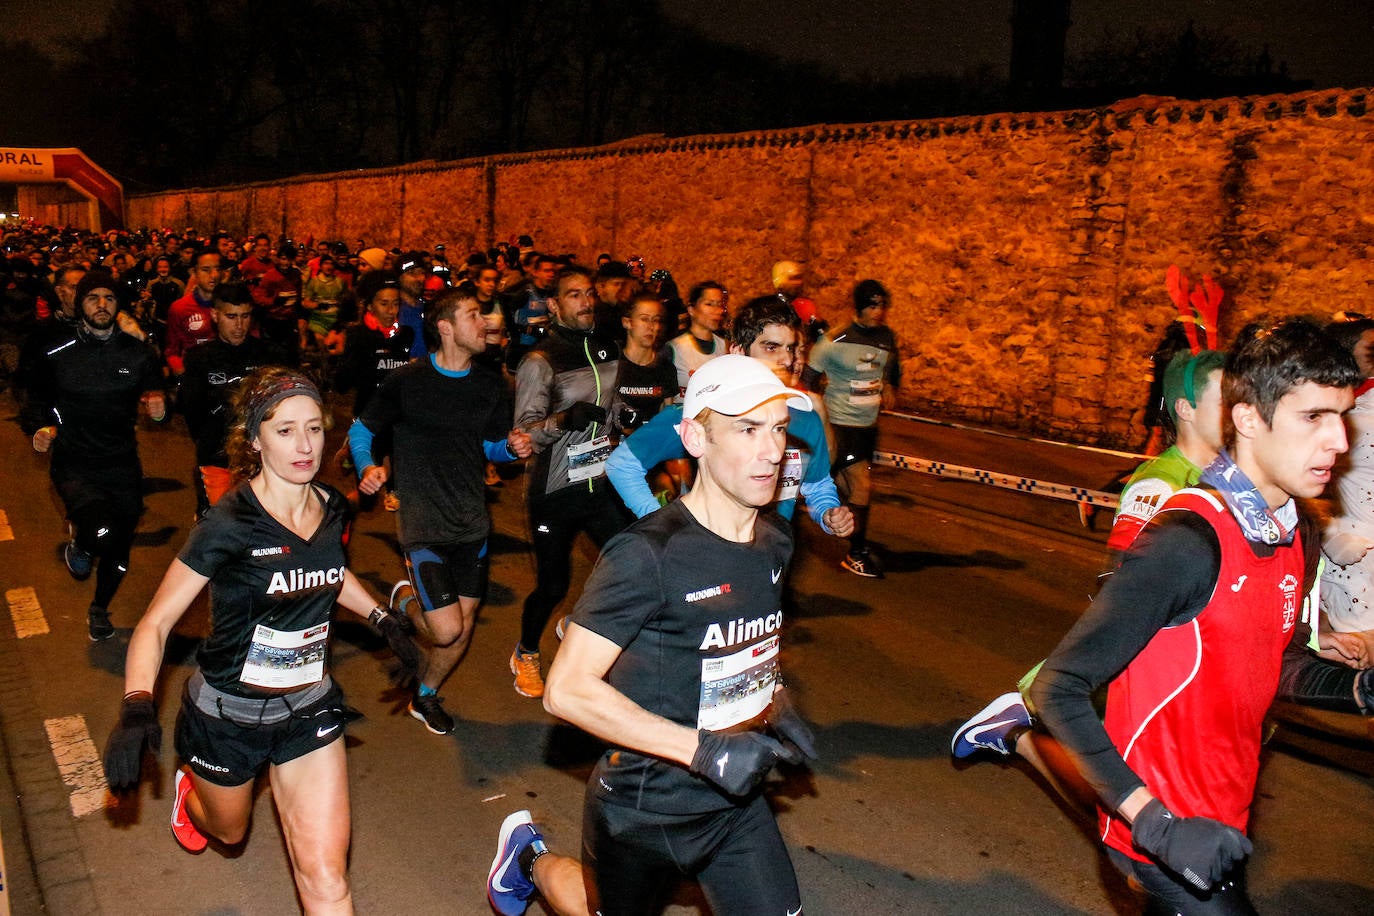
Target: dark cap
{"type": "Point", "coordinates": [410, 261]}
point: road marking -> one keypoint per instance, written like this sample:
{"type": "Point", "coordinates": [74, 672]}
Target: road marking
{"type": "Point", "coordinates": [26, 612]}
{"type": "Point", "coordinates": [78, 762]}
{"type": "Point", "coordinates": [6, 532]}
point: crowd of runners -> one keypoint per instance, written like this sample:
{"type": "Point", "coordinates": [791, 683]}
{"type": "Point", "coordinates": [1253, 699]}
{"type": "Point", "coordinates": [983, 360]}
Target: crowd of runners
{"type": "Point", "coordinates": [678, 433]}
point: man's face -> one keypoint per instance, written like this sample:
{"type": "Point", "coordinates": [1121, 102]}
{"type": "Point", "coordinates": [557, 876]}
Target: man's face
{"type": "Point", "coordinates": [742, 454]}
{"type": "Point", "coordinates": [224, 246]}
{"type": "Point", "coordinates": [261, 249]}
{"type": "Point", "coordinates": [1293, 455]}
{"type": "Point", "coordinates": [206, 273]}
{"type": "Point", "coordinates": [871, 316]}
{"type": "Point", "coordinates": [233, 321]}
{"type": "Point", "coordinates": [776, 348]}
{"type": "Point", "coordinates": [575, 305]}
{"type": "Point", "coordinates": [327, 269]}
{"type": "Point", "coordinates": [544, 272]}
{"type": "Point", "coordinates": [322, 249]}
{"type": "Point", "coordinates": [66, 289]}
{"type": "Point", "coordinates": [1207, 414]}
{"type": "Point", "coordinates": [469, 330]}
{"type": "Point", "coordinates": [283, 262]}
{"type": "Point", "coordinates": [163, 267]}
{"type": "Point", "coordinates": [486, 281]}
{"type": "Point", "coordinates": [98, 308]}
{"type": "Point", "coordinates": [413, 282]}
{"type": "Point", "coordinates": [616, 290]}
{"type": "Point", "coordinates": [708, 312]}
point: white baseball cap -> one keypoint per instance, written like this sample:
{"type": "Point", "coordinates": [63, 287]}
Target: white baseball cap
{"type": "Point", "coordinates": [734, 384]}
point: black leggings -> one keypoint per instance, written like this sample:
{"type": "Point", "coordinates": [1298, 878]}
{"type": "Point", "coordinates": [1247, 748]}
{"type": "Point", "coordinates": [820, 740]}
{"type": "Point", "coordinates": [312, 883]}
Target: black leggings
{"type": "Point", "coordinates": [103, 506]}
{"type": "Point", "coordinates": [736, 855]}
{"type": "Point", "coordinates": [555, 520]}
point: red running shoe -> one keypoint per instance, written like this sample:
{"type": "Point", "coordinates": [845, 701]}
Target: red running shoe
{"type": "Point", "coordinates": [191, 839]}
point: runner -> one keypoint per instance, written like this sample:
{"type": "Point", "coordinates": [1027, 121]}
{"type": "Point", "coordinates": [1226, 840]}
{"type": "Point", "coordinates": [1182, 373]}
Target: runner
{"type": "Point", "coordinates": [82, 400]}
{"type": "Point", "coordinates": [863, 371]}
{"type": "Point", "coordinates": [447, 417]}
{"type": "Point", "coordinates": [565, 398]}
{"type": "Point", "coordinates": [1190, 633]}
{"type": "Point", "coordinates": [272, 552]}
{"type": "Point", "coordinates": [672, 656]}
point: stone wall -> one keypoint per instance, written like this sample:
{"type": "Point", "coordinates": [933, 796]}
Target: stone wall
{"type": "Point", "coordinates": [1026, 253]}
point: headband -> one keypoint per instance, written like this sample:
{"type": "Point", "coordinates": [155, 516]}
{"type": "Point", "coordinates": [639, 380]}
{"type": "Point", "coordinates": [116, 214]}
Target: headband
{"type": "Point", "coordinates": [287, 387]}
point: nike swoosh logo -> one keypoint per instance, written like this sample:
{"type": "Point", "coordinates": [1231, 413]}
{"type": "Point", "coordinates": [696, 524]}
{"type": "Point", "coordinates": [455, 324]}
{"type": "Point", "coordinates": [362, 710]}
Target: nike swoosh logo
{"type": "Point", "coordinates": [1239, 583]}
{"type": "Point", "coordinates": [496, 882]}
{"type": "Point", "coordinates": [796, 912]}
{"type": "Point", "coordinates": [777, 574]}
{"type": "Point", "coordinates": [972, 735]}
{"type": "Point", "coordinates": [322, 730]}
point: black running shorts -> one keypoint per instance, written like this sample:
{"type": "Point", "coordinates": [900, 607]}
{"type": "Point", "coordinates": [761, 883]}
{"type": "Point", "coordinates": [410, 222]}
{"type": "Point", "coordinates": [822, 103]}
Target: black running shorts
{"type": "Point", "coordinates": [230, 753]}
{"type": "Point", "coordinates": [853, 445]}
{"type": "Point", "coordinates": [736, 855]}
{"type": "Point", "coordinates": [442, 575]}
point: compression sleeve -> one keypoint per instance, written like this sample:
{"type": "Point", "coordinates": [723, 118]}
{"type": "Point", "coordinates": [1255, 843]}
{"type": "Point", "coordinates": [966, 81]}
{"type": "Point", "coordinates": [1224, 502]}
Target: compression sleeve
{"type": "Point", "coordinates": [497, 452]}
{"type": "Point", "coordinates": [360, 445]}
{"type": "Point", "coordinates": [627, 475]}
{"type": "Point", "coordinates": [821, 496]}
{"type": "Point", "coordinates": [1166, 578]}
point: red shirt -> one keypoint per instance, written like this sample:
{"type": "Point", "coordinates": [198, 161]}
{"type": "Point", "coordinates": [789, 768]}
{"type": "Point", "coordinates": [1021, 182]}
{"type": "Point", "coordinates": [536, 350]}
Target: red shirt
{"type": "Point", "coordinates": [189, 322]}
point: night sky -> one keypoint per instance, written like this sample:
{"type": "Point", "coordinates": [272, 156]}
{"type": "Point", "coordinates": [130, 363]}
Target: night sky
{"type": "Point", "coordinates": [1330, 42]}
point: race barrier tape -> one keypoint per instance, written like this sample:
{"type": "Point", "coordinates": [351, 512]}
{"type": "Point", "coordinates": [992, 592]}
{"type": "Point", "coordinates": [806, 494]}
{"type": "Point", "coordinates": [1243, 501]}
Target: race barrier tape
{"type": "Point", "coordinates": [995, 479]}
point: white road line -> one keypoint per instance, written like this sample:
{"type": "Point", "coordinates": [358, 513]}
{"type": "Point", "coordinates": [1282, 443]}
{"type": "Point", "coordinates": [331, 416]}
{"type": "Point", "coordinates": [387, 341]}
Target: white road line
{"type": "Point", "coordinates": [6, 532]}
{"type": "Point", "coordinates": [78, 762]}
{"type": "Point", "coordinates": [26, 613]}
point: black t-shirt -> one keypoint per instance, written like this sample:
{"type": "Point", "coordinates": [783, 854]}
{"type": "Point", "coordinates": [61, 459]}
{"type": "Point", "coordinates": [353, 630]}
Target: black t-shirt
{"type": "Point", "coordinates": [644, 388]}
{"type": "Point", "coordinates": [272, 593]}
{"type": "Point", "coordinates": [698, 620]}
{"type": "Point", "coordinates": [438, 422]}
{"type": "Point", "coordinates": [214, 370]}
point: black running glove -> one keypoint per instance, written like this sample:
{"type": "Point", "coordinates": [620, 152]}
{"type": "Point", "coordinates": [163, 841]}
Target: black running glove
{"type": "Point", "coordinates": [138, 729]}
{"type": "Point", "coordinates": [581, 415]}
{"type": "Point", "coordinates": [791, 729]}
{"type": "Point", "coordinates": [396, 630]}
{"type": "Point", "coordinates": [1198, 848]}
{"type": "Point", "coordinates": [737, 763]}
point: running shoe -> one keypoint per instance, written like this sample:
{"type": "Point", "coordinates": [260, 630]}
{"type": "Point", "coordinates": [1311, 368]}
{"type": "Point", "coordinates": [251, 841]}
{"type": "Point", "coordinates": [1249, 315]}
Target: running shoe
{"type": "Point", "coordinates": [191, 839]}
{"type": "Point", "coordinates": [98, 625]}
{"type": "Point", "coordinates": [993, 729]}
{"type": "Point", "coordinates": [863, 563]}
{"type": "Point", "coordinates": [78, 562]}
{"type": "Point", "coordinates": [508, 890]}
{"type": "Point", "coordinates": [529, 681]}
{"type": "Point", "coordinates": [391, 502]}
{"type": "Point", "coordinates": [430, 710]}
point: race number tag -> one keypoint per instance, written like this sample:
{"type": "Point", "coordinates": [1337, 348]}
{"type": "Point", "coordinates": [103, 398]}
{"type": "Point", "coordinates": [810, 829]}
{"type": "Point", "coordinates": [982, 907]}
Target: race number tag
{"type": "Point", "coordinates": [789, 476]}
{"type": "Point", "coordinates": [281, 659]}
{"type": "Point", "coordinates": [737, 687]}
{"type": "Point", "coordinates": [866, 392]}
{"type": "Point", "coordinates": [588, 460]}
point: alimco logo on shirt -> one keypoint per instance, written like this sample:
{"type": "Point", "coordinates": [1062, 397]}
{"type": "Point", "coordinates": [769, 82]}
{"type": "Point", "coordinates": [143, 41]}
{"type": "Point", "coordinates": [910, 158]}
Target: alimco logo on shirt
{"type": "Point", "coordinates": [301, 580]}
{"type": "Point", "coordinates": [711, 592]}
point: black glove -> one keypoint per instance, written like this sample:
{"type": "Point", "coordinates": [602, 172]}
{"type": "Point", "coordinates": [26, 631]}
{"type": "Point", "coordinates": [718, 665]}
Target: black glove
{"type": "Point", "coordinates": [396, 629]}
{"type": "Point", "coordinates": [138, 729]}
{"type": "Point", "coordinates": [581, 415]}
{"type": "Point", "coordinates": [791, 729]}
{"type": "Point", "coordinates": [737, 763]}
{"type": "Point", "coordinates": [1198, 848]}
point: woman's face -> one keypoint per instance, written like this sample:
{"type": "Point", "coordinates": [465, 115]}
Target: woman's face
{"type": "Point", "coordinates": [385, 306]}
{"type": "Point", "coordinates": [643, 324]}
{"type": "Point", "coordinates": [292, 440]}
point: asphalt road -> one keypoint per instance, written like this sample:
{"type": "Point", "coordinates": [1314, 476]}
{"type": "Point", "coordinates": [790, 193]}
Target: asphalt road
{"type": "Point", "coordinates": [981, 584]}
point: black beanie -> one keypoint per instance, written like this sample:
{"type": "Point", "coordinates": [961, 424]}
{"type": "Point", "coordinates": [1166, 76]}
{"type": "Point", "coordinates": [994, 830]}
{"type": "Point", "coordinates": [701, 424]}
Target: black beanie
{"type": "Point", "coordinates": [99, 278]}
{"type": "Point", "coordinates": [867, 293]}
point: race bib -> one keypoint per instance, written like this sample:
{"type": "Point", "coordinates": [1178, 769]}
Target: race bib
{"type": "Point", "coordinates": [789, 475]}
{"type": "Point", "coordinates": [737, 687]}
{"type": "Point", "coordinates": [281, 659]}
{"type": "Point", "coordinates": [866, 392]}
{"type": "Point", "coordinates": [588, 460]}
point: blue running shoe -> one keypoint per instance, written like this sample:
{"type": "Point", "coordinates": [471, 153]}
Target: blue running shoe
{"type": "Point", "coordinates": [78, 561]}
{"type": "Point", "coordinates": [990, 729]}
{"type": "Point", "coordinates": [508, 890]}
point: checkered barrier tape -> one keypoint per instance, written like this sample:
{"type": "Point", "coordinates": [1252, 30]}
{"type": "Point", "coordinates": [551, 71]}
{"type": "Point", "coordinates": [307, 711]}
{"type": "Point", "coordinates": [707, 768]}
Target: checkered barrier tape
{"type": "Point", "coordinates": [994, 479]}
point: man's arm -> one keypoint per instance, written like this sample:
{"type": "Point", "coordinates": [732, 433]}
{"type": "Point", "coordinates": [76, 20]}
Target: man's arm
{"type": "Point", "coordinates": [576, 690]}
{"type": "Point", "coordinates": [654, 442]}
{"type": "Point", "coordinates": [1165, 579]}
{"type": "Point", "coordinates": [533, 382]}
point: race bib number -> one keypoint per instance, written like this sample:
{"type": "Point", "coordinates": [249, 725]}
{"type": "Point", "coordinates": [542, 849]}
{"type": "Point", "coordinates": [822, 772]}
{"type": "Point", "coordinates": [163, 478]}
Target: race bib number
{"type": "Point", "coordinates": [588, 460]}
{"type": "Point", "coordinates": [789, 479]}
{"type": "Point", "coordinates": [866, 392]}
{"type": "Point", "coordinates": [281, 659]}
{"type": "Point", "coordinates": [737, 687]}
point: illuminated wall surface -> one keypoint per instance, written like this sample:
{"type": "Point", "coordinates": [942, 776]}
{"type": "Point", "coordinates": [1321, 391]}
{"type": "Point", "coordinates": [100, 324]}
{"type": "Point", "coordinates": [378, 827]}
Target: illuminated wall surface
{"type": "Point", "coordinates": [1026, 253]}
